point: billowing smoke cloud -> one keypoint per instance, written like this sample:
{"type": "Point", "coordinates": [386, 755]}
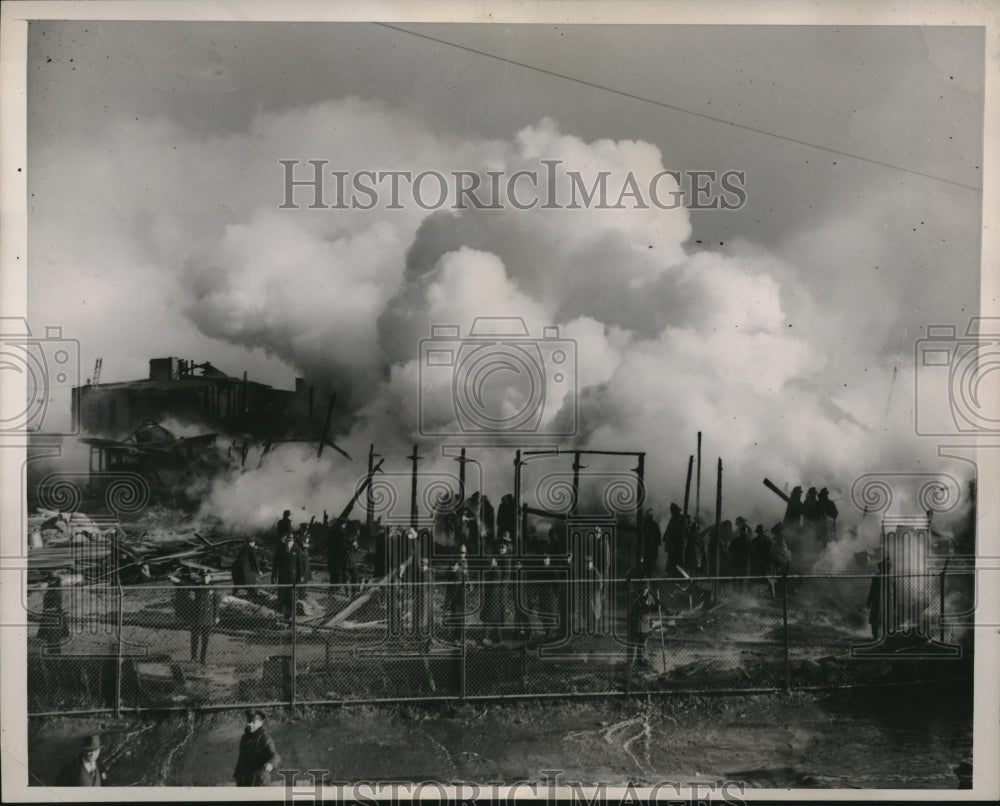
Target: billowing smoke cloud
{"type": "Point", "coordinates": [669, 338]}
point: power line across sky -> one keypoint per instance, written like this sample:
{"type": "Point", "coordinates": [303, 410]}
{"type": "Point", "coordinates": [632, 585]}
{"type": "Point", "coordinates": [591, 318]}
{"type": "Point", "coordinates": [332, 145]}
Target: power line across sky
{"type": "Point", "coordinates": [663, 105]}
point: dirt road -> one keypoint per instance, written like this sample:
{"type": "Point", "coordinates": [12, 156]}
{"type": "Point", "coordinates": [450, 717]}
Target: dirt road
{"type": "Point", "coordinates": [882, 739]}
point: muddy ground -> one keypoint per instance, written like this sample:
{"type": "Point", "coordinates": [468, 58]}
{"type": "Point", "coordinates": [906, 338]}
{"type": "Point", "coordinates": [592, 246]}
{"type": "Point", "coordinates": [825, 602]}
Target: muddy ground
{"type": "Point", "coordinates": [889, 738]}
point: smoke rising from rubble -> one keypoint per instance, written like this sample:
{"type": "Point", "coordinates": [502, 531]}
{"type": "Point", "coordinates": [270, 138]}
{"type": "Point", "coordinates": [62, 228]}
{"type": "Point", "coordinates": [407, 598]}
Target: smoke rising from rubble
{"type": "Point", "coordinates": [672, 338]}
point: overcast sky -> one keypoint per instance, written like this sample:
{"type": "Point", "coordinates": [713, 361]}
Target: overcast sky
{"type": "Point", "coordinates": [784, 329]}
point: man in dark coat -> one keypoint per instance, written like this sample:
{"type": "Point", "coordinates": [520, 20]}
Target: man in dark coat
{"type": "Point", "coordinates": [651, 543]}
{"type": "Point", "coordinates": [830, 513]}
{"type": "Point", "coordinates": [546, 583]}
{"type": "Point", "coordinates": [341, 559]}
{"type": "Point", "coordinates": [455, 595]}
{"type": "Point", "coordinates": [257, 757]}
{"type": "Point", "coordinates": [491, 612]}
{"type": "Point", "coordinates": [284, 526]}
{"type": "Point", "coordinates": [204, 617]}
{"type": "Point", "coordinates": [507, 516]}
{"type": "Point", "coordinates": [287, 570]}
{"type": "Point", "coordinates": [674, 538]}
{"type": "Point", "coordinates": [84, 770]}
{"type": "Point", "coordinates": [760, 553]}
{"type": "Point", "coordinates": [881, 598]}
{"type": "Point", "coordinates": [793, 510]}
{"type": "Point", "coordinates": [739, 552]}
{"type": "Point", "coordinates": [246, 568]}
{"type": "Point", "coordinates": [813, 519]}
{"type": "Point", "coordinates": [694, 547]}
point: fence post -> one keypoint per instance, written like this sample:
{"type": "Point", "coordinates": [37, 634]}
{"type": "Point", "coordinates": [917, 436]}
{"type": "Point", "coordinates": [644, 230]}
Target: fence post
{"type": "Point", "coordinates": [295, 632]}
{"type": "Point", "coordinates": [941, 601]}
{"type": "Point", "coordinates": [118, 664]}
{"type": "Point", "coordinates": [461, 677]}
{"type": "Point", "coordinates": [628, 639]}
{"type": "Point", "coordinates": [784, 609]}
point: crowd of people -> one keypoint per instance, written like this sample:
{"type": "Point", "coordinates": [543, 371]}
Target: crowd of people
{"type": "Point", "coordinates": [534, 581]}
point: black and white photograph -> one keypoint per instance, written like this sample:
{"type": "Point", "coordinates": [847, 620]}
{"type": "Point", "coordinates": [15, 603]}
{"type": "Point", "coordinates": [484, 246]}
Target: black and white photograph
{"type": "Point", "coordinates": [593, 402]}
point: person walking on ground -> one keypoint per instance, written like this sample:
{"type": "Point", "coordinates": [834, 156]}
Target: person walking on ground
{"type": "Point", "coordinates": [85, 769]}
{"type": "Point", "coordinates": [204, 617]}
{"type": "Point", "coordinates": [257, 757]}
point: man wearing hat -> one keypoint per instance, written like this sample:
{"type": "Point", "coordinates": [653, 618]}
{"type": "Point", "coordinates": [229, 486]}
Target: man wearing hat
{"type": "Point", "coordinates": [84, 770]}
{"type": "Point", "coordinates": [284, 525]}
{"type": "Point", "coordinates": [257, 757]}
{"type": "Point", "coordinates": [287, 571]}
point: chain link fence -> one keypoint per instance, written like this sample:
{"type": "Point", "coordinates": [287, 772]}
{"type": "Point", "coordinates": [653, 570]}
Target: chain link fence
{"type": "Point", "coordinates": [484, 633]}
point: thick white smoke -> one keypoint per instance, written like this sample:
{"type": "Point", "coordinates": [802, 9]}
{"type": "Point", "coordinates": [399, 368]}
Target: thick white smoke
{"type": "Point", "coordinates": [671, 338]}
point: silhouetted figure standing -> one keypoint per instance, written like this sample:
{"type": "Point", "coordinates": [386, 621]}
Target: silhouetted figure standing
{"type": "Point", "coordinates": [287, 571]}
{"type": "Point", "coordinates": [881, 598]}
{"type": "Point", "coordinates": [740, 551]}
{"type": "Point", "coordinates": [507, 516]}
{"type": "Point", "coordinates": [491, 612]}
{"type": "Point", "coordinates": [674, 538]}
{"type": "Point", "coordinates": [284, 526]}
{"type": "Point", "coordinates": [760, 553]}
{"type": "Point", "coordinates": [204, 617]}
{"type": "Point", "coordinates": [793, 510]}
{"type": "Point", "coordinates": [813, 519]}
{"type": "Point", "coordinates": [829, 509]}
{"type": "Point", "coordinates": [246, 568]}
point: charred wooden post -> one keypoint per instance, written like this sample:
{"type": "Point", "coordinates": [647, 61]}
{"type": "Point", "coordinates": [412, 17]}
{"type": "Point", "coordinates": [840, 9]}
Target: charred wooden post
{"type": "Point", "coordinates": [640, 487]}
{"type": "Point", "coordinates": [369, 497]}
{"type": "Point", "coordinates": [687, 484]}
{"type": "Point", "coordinates": [577, 467]}
{"type": "Point", "coordinates": [517, 500]}
{"type": "Point", "coordinates": [325, 435]}
{"type": "Point", "coordinates": [697, 493]}
{"type": "Point", "coordinates": [718, 521]}
{"type": "Point", "coordinates": [414, 458]}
